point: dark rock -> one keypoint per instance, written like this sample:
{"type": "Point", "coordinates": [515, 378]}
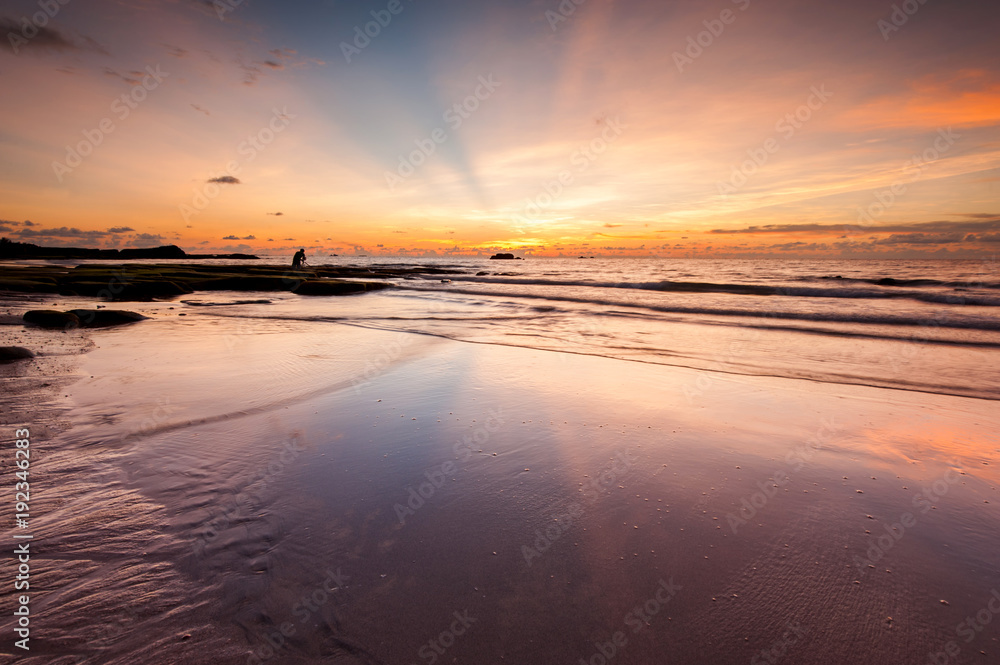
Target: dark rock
{"type": "Point", "coordinates": [9, 354]}
{"type": "Point", "coordinates": [482, 272]}
{"type": "Point", "coordinates": [504, 257]}
{"type": "Point", "coordinates": [50, 318]}
{"type": "Point", "coordinates": [335, 287]}
{"type": "Point", "coordinates": [103, 318]}
{"type": "Point", "coordinates": [886, 281]}
{"type": "Point", "coordinates": [133, 290]}
{"type": "Point", "coordinates": [248, 283]}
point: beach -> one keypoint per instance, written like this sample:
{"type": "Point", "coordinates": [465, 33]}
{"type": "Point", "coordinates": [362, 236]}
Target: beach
{"type": "Point", "coordinates": [519, 468]}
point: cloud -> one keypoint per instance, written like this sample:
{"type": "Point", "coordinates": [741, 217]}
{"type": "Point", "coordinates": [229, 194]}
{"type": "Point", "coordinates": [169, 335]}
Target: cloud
{"type": "Point", "coordinates": [199, 109]}
{"type": "Point", "coordinates": [236, 249]}
{"type": "Point", "coordinates": [611, 226]}
{"type": "Point", "coordinates": [133, 77]}
{"type": "Point", "coordinates": [121, 229]}
{"type": "Point", "coordinates": [921, 239]}
{"type": "Point", "coordinates": [225, 180]}
{"type": "Point", "coordinates": [61, 232]}
{"type": "Point", "coordinates": [28, 222]}
{"type": "Point", "coordinates": [992, 224]}
{"type": "Point", "coordinates": [231, 237]}
{"type": "Point", "coordinates": [288, 239]}
{"type": "Point", "coordinates": [250, 237]}
{"type": "Point", "coordinates": [48, 39]}
{"type": "Point", "coordinates": [175, 51]}
{"type": "Point", "coordinates": [145, 239]}
{"type": "Point", "coordinates": [276, 214]}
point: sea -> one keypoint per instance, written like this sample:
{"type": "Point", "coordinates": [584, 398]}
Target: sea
{"type": "Point", "coordinates": [921, 325]}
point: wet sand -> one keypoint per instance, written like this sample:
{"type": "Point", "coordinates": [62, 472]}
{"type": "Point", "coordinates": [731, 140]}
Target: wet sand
{"type": "Point", "coordinates": [309, 493]}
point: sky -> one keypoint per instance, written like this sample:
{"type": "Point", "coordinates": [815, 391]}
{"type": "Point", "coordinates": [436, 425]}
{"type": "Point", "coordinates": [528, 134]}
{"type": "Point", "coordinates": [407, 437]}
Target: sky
{"type": "Point", "coordinates": [795, 128]}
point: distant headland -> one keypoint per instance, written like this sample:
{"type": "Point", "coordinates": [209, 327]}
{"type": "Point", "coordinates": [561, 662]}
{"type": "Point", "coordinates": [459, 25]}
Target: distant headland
{"type": "Point", "coordinates": [23, 250]}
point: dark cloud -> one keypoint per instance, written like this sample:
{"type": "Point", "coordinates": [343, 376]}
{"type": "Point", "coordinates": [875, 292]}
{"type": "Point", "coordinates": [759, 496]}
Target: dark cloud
{"type": "Point", "coordinates": [121, 229]}
{"type": "Point", "coordinates": [175, 51]}
{"type": "Point", "coordinates": [921, 239]}
{"type": "Point", "coordinates": [251, 237]}
{"type": "Point", "coordinates": [47, 38]}
{"type": "Point", "coordinates": [991, 224]}
{"type": "Point", "coordinates": [225, 180]}
{"type": "Point", "coordinates": [61, 232]}
{"type": "Point", "coordinates": [132, 78]}
{"type": "Point", "coordinates": [276, 214]}
{"type": "Point", "coordinates": [272, 64]}
{"type": "Point", "coordinates": [236, 249]}
{"type": "Point", "coordinates": [28, 222]}
{"type": "Point", "coordinates": [611, 226]}
{"type": "Point", "coordinates": [986, 237]}
{"type": "Point", "coordinates": [231, 237]}
{"type": "Point", "coordinates": [199, 109]}
{"type": "Point", "coordinates": [145, 240]}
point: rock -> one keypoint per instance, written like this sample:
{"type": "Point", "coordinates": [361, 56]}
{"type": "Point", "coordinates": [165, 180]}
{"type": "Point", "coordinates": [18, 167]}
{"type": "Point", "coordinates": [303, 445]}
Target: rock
{"type": "Point", "coordinates": [886, 281]}
{"type": "Point", "coordinates": [104, 318]}
{"type": "Point", "coordinates": [482, 272]}
{"type": "Point", "coordinates": [505, 257]}
{"type": "Point", "coordinates": [9, 354]}
{"type": "Point", "coordinates": [335, 287]}
{"type": "Point", "coordinates": [50, 318]}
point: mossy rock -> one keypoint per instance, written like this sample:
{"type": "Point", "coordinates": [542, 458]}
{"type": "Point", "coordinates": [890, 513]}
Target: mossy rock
{"type": "Point", "coordinates": [104, 318]}
{"type": "Point", "coordinates": [246, 283]}
{"type": "Point", "coordinates": [50, 318]}
{"type": "Point", "coordinates": [9, 354]}
{"type": "Point", "coordinates": [28, 286]}
{"type": "Point", "coordinates": [335, 287]}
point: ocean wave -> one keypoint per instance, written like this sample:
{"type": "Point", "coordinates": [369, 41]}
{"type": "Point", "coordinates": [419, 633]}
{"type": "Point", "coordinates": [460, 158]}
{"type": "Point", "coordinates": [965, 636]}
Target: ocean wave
{"type": "Point", "coordinates": [940, 298]}
{"type": "Point", "coordinates": [966, 322]}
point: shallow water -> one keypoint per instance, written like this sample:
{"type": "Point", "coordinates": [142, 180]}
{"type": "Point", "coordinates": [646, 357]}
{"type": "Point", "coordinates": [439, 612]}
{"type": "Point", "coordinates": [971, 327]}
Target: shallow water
{"type": "Point", "coordinates": [216, 475]}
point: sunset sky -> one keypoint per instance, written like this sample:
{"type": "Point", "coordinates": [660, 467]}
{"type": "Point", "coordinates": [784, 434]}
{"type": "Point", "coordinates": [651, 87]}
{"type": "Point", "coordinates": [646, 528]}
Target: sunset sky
{"type": "Point", "coordinates": [748, 127]}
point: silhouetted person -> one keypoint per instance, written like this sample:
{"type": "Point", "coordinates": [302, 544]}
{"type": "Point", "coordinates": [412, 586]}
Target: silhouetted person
{"type": "Point", "coordinates": [299, 258]}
